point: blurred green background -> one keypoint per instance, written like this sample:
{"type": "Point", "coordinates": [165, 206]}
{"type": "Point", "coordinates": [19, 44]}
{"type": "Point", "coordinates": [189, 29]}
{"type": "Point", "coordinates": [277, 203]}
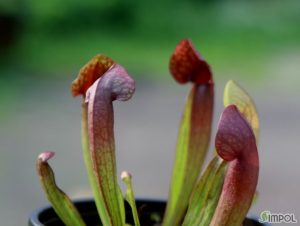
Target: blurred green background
{"type": "Point", "coordinates": [54, 38]}
{"type": "Point", "coordinates": [43, 44]}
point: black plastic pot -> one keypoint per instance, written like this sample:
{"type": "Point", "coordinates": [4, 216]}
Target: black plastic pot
{"type": "Point", "coordinates": [150, 211]}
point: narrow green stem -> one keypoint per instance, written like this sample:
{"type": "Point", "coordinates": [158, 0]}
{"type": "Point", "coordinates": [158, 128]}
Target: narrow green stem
{"type": "Point", "coordinates": [61, 203]}
{"type": "Point", "coordinates": [129, 196]}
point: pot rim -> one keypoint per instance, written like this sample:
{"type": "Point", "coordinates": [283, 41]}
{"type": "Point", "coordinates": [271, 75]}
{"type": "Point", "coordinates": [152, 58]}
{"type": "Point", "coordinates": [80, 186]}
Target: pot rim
{"type": "Point", "coordinates": [34, 218]}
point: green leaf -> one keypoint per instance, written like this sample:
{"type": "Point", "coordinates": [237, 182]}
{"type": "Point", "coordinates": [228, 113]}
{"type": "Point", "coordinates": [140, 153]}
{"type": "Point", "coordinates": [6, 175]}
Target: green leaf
{"type": "Point", "coordinates": [235, 94]}
{"type": "Point", "coordinates": [121, 205]}
{"type": "Point", "coordinates": [129, 196]}
{"type": "Point", "coordinates": [206, 194]}
{"type": "Point", "coordinates": [61, 203]}
{"type": "Point", "coordinates": [99, 200]}
{"type": "Point", "coordinates": [192, 145]}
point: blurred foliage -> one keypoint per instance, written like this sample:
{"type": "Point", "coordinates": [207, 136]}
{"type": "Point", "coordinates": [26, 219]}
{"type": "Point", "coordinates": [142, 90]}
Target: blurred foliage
{"type": "Point", "coordinates": [74, 15]}
{"type": "Point", "coordinates": [57, 37]}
